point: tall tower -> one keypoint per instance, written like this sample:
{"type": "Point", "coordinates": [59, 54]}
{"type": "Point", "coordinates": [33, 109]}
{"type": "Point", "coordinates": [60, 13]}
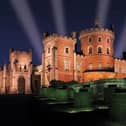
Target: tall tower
{"type": "Point", "coordinates": [97, 46]}
{"type": "Point", "coordinates": [57, 58]}
{"type": "Point", "coordinates": [20, 71]}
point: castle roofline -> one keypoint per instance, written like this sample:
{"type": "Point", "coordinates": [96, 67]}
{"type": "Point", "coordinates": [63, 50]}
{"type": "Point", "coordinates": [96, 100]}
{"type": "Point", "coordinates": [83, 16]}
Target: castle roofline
{"type": "Point", "coordinates": [20, 50]}
{"type": "Point", "coordinates": [120, 59]}
{"type": "Point", "coordinates": [56, 35]}
{"type": "Point", "coordinates": [98, 29]}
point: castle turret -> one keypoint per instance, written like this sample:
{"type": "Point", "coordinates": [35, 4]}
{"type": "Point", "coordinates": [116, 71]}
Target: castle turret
{"type": "Point", "coordinates": [20, 71]}
{"type": "Point", "coordinates": [58, 58]}
{"type": "Point", "coordinates": [97, 46]}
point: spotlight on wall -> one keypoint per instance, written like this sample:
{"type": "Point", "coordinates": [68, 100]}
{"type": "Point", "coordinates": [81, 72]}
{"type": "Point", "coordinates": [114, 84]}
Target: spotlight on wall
{"type": "Point", "coordinates": [27, 21]}
{"type": "Point", "coordinates": [58, 13]}
{"type": "Point", "coordinates": [102, 11]}
{"type": "Point", "coordinates": [121, 45]}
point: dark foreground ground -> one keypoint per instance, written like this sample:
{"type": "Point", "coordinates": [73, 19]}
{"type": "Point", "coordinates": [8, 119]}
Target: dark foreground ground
{"type": "Point", "coordinates": [27, 110]}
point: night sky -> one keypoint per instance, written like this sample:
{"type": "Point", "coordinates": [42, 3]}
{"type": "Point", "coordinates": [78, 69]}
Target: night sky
{"type": "Point", "coordinates": [78, 15]}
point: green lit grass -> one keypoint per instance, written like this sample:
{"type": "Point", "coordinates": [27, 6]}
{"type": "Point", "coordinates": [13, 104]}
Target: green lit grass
{"type": "Point", "coordinates": [43, 99]}
{"type": "Point", "coordinates": [102, 107]}
{"type": "Point", "coordinates": [60, 102]}
{"type": "Point", "coordinates": [76, 110]}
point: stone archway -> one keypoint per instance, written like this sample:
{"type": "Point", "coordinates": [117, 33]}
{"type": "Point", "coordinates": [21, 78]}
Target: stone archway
{"type": "Point", "coordinates": [21, 85]}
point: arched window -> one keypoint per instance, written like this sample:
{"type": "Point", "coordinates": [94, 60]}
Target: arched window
{"type": "Point", "coordinates": [90, 50]}
{"type": "Point", "coordinates": [99, 39]}
{"type": "Point", "coordinates": [21, 85]}
{"type": "Point", "coordinates": [108, 51]}
{"type": "Point", "coordinates": [99, 50]}
{"type": "Point", "coordinates": [66, 50]}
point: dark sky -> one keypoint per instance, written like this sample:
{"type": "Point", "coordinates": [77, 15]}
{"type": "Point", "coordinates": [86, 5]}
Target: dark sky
{"type": "Point", "coordinates": [79, 14]}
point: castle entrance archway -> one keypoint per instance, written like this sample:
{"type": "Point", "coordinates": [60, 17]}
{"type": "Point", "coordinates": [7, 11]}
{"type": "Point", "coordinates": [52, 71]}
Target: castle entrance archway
{"type": "Point", "coordinates": [21, 85]}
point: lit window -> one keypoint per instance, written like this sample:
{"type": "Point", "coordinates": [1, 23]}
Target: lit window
{"type": "Point", "coordinates": [99, 66]}
{"type": "Point", "coordinates": [90, 65]}
{"type": "Point", "coordinates": [90, 50]}
{"type": "Point", "coordinates": [116, 67]}
{"type": "Point", "coordinates": [123, 69]}
{"type": "Point", "coordinates": [66, 64]}
{"type": "Point", "coordinates": [108, 51]}
{"type": "Point", "coordinates": [78, 66]}
{"type": "Point", "coordinates": [67, 50]}
{"type": "Point", "coordinates": [99, 50]}
{"type": "Point", "coordinates": [99, 39]}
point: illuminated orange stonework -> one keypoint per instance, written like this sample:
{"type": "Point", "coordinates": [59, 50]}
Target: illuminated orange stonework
{"type": "Point", "coordinates": [16, 77]}
{"type": "Point", "coordinates": [95, 62]}
{"type": "Point", "coordinates": [60, 61]}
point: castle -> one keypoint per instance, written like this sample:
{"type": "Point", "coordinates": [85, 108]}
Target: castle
{"type": "Point", "coordinates": [96, 60]}
{"type": "Point", "coordinates": [61, 61]}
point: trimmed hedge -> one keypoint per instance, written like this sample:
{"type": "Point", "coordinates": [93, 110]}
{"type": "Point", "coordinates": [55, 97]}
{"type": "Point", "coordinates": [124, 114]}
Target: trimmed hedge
{"type": "Point", "coordinates": [62, 84]}
{"type": "Point", "coordinates": [83, 99]}
{"type": "Point", "coordinates": [43, 92]}
{"type": "Point", "coordinates": [118, 108]}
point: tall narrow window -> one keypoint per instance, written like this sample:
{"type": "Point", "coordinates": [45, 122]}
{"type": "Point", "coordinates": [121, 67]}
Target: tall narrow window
{"type": "Point", "coordinates": [99, 66]}
{"type": "Point", "coordinates": [89, 39]}
{"type": "Point", "coordinates": [48, 50]}
{"type": "Point", "coordinates": [116, 67]}
{"type": "Point", "coordinates": [66, 64]}
{"type": "Point", "coordinates": [99, 39]}
{"type": "Point", "coordinates": [99, 50]}
{"type": "Point", "coordinates": [90, 50]}
{"type": "Point", "coordinates": [67, 50]}
{"type": "Point", "coordinates": [108, 51]}
{"type": "Point", "coordinates": [90, 65]}
{"type": "Point", "coordinates": [78, 66]}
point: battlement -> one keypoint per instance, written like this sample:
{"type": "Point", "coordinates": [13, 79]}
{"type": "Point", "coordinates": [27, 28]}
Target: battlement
{"type": "Point", "coordinates": [96, 30]}
{"type": "Point", "coordinates": [14, 51]}
{"type": "Point", "coordinates": [54, 36]}
{"type": "Point", "coordinates": [120, 60]}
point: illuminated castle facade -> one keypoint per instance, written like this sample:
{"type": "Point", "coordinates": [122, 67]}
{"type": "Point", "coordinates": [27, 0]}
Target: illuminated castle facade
{"type": "Point", "coordinates": [20, 76]}
{"type": "Point", "coordinates": [60, 61]}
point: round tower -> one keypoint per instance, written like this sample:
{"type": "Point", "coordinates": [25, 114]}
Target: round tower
{"type": "Point", "coordinates": [97, 47]}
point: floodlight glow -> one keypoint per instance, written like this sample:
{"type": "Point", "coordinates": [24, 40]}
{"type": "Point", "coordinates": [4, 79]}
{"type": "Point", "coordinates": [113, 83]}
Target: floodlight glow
{"type": "Point", "coordinates": [58, 12]}
{"type": "Point", "coordinates": [27, 21]}
{"type": "Point", "coordinates": [102, 11]}
{"type": "Point", "coordinates": [121, 45]}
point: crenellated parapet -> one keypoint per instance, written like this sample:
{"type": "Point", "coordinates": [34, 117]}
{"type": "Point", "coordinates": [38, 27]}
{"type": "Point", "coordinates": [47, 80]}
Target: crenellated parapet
{"type": "Point", "coordinates": [47, 37]}
{"type": "Point", "coordinates": [95, 31]}
{"type": "Point", "coordinates": [120, 60]}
